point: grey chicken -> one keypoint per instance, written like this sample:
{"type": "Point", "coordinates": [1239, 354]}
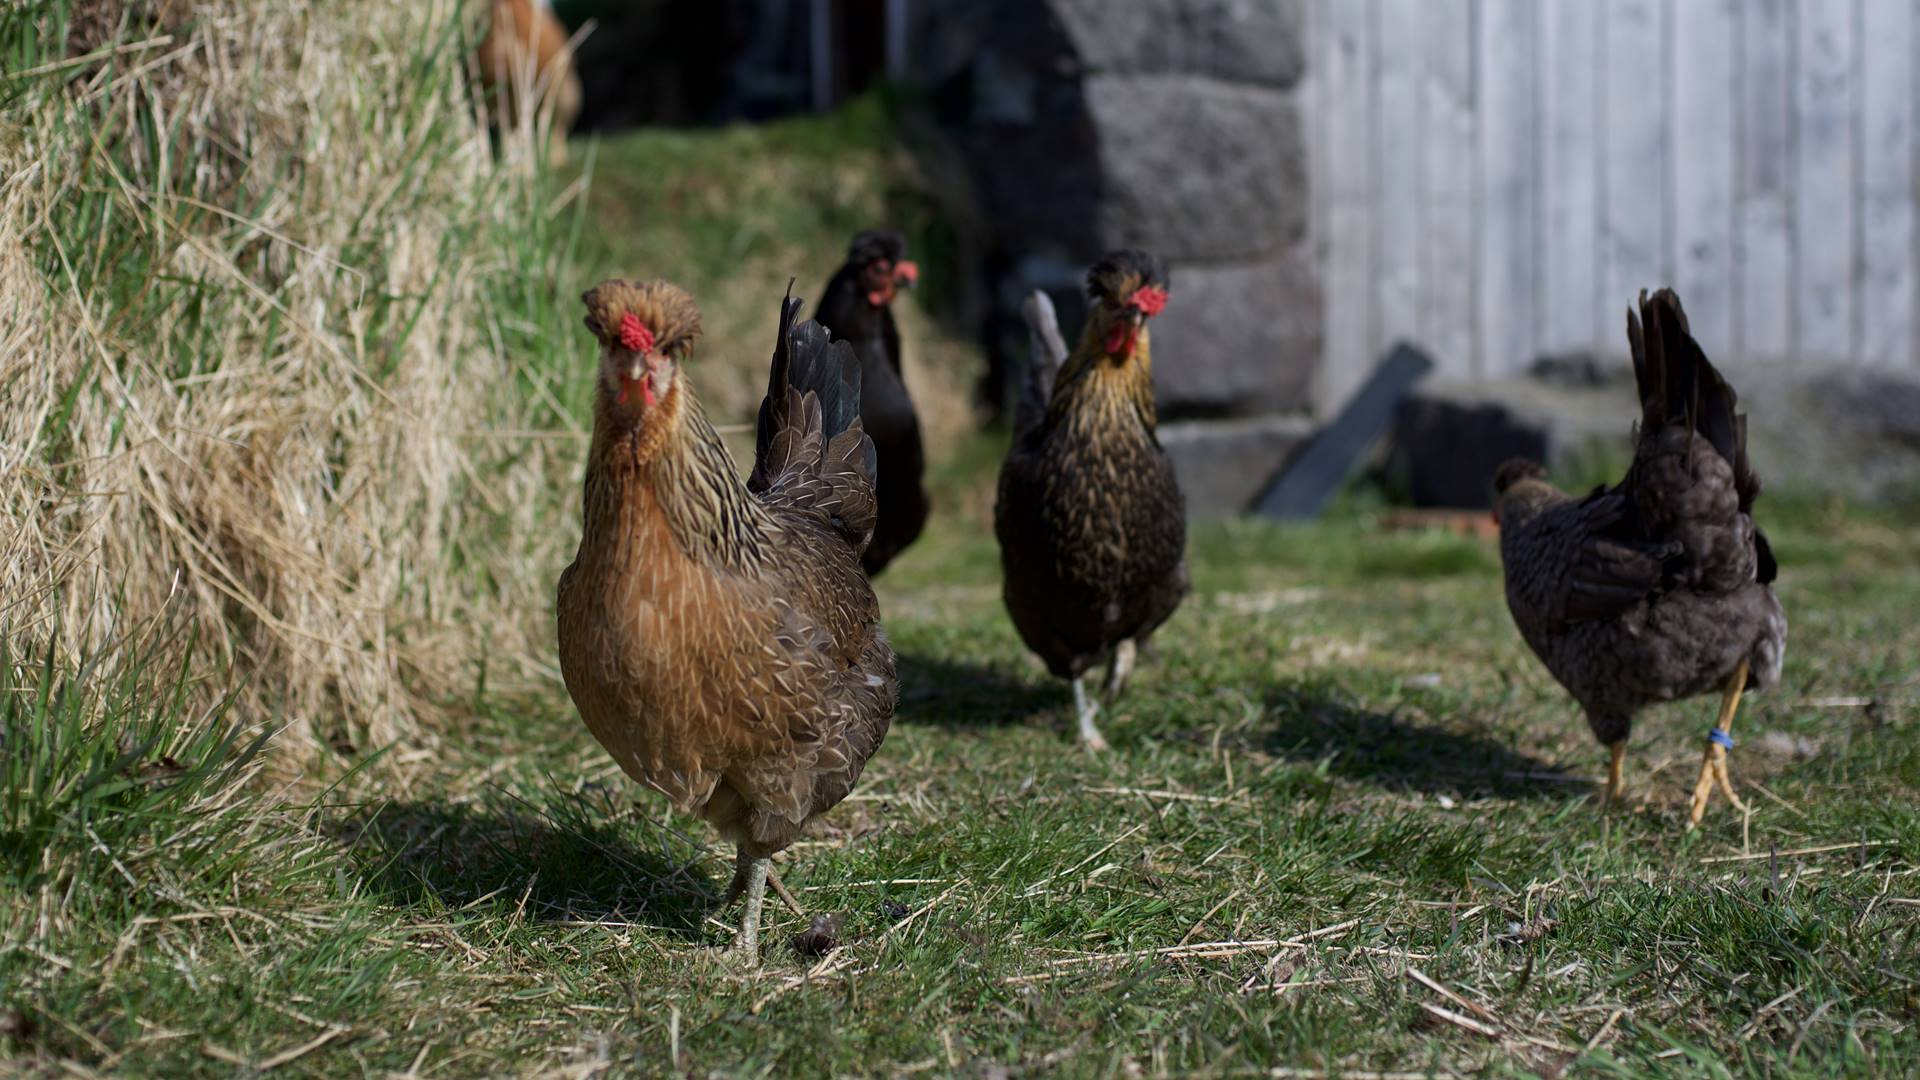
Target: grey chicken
{"type": "Point", "coordinates": [1657, 588]}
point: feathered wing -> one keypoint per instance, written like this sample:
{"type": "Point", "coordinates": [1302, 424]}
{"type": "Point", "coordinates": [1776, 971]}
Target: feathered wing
{"type": "Point", "coordinates": [1680, 519]}
{"type": "Point", "coordinates": [1048, 352]}
{"type": "Point", "coordinates": [810, 451]}
{"type": "Point", "coordinates": [832, 663]}
{"type": "Point", "coordinates": [1605, 569]}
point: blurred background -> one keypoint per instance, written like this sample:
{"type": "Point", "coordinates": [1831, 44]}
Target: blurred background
{"type": "Point", "coordinates": [1490, 181]}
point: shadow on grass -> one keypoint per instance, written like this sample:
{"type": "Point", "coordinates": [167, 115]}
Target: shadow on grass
{"type": "Point", "coordinates": [1317, 723]}
{"type": "Point", "coordinates": [965, 694]}
{"type": "Point", "coordinates": [566, 865]}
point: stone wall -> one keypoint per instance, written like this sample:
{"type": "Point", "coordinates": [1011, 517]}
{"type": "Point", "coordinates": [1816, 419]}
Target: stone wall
{"type": "Point", "coordinates": [1166, 124]}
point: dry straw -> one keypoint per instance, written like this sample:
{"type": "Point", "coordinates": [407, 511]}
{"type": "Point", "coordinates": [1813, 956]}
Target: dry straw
{"type": "Point", "coordinates": [255, 358]}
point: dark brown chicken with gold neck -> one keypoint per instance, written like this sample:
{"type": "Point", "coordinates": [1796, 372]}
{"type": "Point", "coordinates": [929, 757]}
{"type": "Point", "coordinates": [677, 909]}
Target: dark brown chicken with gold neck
{"type": "Point", "coordinates": [1091, 523]}
{"type": "Point", "coordinates": [1658, 588]}
{"type": "Point", "coordinates": [719, 638]}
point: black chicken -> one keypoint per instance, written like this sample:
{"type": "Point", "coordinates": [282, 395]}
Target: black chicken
{"type": "Point", "coordinates": [857, 308]}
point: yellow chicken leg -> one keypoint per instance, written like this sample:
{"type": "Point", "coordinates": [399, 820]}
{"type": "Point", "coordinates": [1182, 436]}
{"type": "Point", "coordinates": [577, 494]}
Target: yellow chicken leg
{"type": "Point", "coordinates": [1713, 763]}
{"type": "Point", "coordinates": [1615, 769]}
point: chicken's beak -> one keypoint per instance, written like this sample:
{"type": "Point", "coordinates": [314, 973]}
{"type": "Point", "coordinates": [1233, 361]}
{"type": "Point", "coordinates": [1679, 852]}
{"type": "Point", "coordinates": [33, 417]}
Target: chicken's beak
{"type": "Point", "coordinates": [1123, 332]}
{"type": "Point", "coordinates": [906, 273]}
{"type": "Point", "coordinates": [636, 377]}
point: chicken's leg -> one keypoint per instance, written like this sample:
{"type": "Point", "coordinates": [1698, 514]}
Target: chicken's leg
{"type": "Point", "coordinates": [1087, 708]}
{"type": "Point", "coordinates": [742, 868]}
{"type": "Point", "coordinates": [750, 877]}
{"type": "Point", "coordinates": [1119, 668]}
{"type": "Point", "coordinates": [1713, 764]}
{"type": "Point", "coordinates": [1616, 769]}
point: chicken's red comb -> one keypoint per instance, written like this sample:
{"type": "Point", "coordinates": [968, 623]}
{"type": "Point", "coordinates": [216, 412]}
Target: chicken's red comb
{"type": "Point", "coordinates": [634, 335]}
{"type": "Point", "coordinates": [1149, 300]}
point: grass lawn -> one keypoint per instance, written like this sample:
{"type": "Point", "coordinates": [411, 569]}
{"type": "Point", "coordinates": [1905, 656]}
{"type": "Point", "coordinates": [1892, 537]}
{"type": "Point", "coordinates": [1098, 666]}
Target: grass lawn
{"type": "Point", "coordinates": [1339, 768]}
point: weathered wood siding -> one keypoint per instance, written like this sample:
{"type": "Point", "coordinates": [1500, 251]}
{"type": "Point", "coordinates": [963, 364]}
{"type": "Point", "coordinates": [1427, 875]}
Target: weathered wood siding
{"type": "Point", "coordinates": [1494, 179]}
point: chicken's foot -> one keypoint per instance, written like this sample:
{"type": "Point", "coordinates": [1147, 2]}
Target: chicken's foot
{"type": "Point", "coordinates": [1087, 708]}
{"type": "Point", "coordinates": [747, 945]}
{"type": "Point", "coordinates": [1616, 770]}
{"type": "Point", "coordinates": [1119, 667]}
{"type": "Point", "coordinates": [1713, 763]}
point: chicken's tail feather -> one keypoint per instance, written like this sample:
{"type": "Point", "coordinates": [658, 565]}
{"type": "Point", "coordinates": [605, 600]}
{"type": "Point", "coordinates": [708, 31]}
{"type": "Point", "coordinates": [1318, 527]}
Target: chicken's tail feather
{"type": "Point", "coordinates": [1048, 352]}
{"type": "Point", "coordinates": [1680, 386]}
{"type": "Point", "coordinates": [809, 448]}
{"type": "Point", "coordinates": [807, 361]}
{"type": "Point", "coordinates": [778, 370]}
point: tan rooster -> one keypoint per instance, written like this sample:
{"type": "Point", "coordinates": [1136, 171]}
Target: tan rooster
{"type": "Point", "coordinates": [719, 638]}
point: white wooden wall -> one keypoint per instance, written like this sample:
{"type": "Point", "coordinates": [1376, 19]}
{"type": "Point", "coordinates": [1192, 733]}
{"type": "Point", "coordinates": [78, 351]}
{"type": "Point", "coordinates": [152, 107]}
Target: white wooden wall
{"type": "Point", "coordinates": [1496, 179]}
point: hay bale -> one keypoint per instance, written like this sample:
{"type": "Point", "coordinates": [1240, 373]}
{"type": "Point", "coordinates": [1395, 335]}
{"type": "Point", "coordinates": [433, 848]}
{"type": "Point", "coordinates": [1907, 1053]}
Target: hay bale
{"type": "Point", "coordinates": [259, 365]}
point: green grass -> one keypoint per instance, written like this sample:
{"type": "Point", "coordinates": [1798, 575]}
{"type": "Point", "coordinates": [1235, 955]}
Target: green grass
{"type": "Point", "coordinates": [732, 214]}
{"type": "Point", "coordinates": [1339, 743]}
{"type": "Point", "coordinates": [703, 204]}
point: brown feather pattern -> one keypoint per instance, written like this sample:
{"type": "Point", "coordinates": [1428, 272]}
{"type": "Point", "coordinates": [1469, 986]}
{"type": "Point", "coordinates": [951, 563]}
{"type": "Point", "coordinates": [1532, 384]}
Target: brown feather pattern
{"type": "Point", "coordinates": [722, 642]}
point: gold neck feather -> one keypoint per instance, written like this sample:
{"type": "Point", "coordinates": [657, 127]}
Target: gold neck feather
{"type": "Point", "coordinates": [676, 463]}
{"type": "Point", "coordinates": [1091, 378]}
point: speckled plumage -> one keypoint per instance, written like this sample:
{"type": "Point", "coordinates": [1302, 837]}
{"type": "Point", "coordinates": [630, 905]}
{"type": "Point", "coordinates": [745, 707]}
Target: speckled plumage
{"type": "Point", "coordinates": [886, 409]}
{"type": "Point", "coordinates": [1655, 589]}
{"type": "Point", "coordinates": [719, 638]}
{"type": "Point", "coordinates": [1091, 522]}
